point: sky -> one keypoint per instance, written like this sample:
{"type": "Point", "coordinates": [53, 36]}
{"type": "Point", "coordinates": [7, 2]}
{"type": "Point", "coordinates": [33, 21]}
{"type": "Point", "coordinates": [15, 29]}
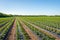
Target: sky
{"type": "Point", "coordinates": [30, 7]}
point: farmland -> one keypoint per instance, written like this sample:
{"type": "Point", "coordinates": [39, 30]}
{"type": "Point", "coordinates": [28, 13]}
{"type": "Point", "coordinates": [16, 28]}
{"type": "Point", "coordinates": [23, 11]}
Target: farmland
{"type": "Point", "coordinates": [30, 28]}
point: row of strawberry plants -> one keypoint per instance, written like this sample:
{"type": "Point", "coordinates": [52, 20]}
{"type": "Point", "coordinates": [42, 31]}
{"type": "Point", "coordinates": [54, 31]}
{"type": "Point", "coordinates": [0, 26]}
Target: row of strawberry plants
{"type": "Point", "coordinates": [45, 31]}
{"type": "Point", "coordinates": [21, 33]}
{"type": "Point", "coordinates": [2, 19]}
{"type": "Point", "coordinates": [5, 19]}
{"type": "Point", "coordinates": [5, 31]}
{"type": "Point", "coordinates": [5, 22]}
{"type": "Point", "coordinates": [3, 27]}
{"type": "Point", "coordinates": [51, 29]}
{"type": "Point", "coordinates": [50, 21]}
{"type": "Point", "coordinates": [38, 33]}
{"type": "Point", "coordinates": [43, 25]}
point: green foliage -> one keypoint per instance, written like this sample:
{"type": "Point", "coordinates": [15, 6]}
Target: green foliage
{"type": "Point", "coordinates": [5, 15]}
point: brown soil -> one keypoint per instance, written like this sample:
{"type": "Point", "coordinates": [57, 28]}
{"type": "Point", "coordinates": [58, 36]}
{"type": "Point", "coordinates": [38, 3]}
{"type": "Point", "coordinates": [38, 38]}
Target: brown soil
{"type": "Point", "coordinates": [29, 32]}
{"type": "Point", "coordinates": [46, 32]}
{"type": "Point", "coordinates": [12, 34]}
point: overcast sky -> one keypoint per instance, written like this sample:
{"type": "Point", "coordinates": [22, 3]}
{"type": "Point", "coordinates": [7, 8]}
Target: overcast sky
{"type": "Point", "coordinates": [30, 7]}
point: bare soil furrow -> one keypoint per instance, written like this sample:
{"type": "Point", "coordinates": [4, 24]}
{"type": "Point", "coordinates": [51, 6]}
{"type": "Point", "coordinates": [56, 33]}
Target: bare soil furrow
{"type": "Point", "coordinates": [29, 32]}
{"type": "Point", "coordinates": [12, 33]}
{"type": "Point", "coordinates": [45, 31]}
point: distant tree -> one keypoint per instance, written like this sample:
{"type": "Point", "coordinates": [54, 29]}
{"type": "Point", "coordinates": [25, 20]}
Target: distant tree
{"type": "Point", "coordinates": [5, 15]}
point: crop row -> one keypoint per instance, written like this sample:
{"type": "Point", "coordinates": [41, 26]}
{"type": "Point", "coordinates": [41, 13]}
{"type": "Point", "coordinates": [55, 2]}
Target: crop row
{"type": "Point", "coordinates": [30, 28]}
{"type": "Point", "coordinates": [53, 30]}
{"type": "Point", "coordinates": [5, 29]}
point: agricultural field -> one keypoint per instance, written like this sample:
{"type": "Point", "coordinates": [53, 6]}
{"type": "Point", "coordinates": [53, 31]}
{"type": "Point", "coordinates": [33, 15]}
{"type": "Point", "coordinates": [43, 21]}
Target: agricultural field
{"type": "Point", "coordinates": [30, 28]}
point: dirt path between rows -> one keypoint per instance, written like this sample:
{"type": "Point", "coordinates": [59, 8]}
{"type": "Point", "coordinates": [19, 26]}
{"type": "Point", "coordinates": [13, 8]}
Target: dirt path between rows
{"type": "Point", "coordinates": [45, 31]}
{"type": "Point", "coordinates": [12, 34]}
{"type": "Point", "coordinates": [29, 32]}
